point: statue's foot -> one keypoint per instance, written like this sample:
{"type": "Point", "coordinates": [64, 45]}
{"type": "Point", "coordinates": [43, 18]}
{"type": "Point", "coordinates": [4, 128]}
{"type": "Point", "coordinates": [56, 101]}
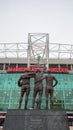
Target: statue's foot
{"type": "Point", "coordinates": [25, 108]}
{"type": "Point", "coordinates": [46, 108]}
{"type": "Point", "coordinates": [38, 108]}
{"type": "Point", "coordinates": [32, 107]}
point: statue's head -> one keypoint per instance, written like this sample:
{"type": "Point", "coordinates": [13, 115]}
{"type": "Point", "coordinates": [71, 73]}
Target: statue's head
{"type": "Point", "coordinates": [48, 72]}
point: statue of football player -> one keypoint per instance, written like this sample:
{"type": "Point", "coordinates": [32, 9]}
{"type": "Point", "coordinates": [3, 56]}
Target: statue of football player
{"type": "Point", "coordinates": [24, 83]}
{"type": "Point", "coordinates": [38, 89]}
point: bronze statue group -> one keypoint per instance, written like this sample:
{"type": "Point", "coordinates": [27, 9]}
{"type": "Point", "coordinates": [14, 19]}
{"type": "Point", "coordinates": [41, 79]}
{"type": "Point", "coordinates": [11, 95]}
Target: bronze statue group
{"type": "Point", "coordinates": [24, 83]}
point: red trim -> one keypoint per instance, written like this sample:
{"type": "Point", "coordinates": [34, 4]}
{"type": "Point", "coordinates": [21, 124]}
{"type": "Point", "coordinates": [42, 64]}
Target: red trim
{"type": "Point", "coordinates": [22, 69]}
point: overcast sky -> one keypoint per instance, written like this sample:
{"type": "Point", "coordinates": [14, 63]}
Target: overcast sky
{"type": "Point", "coordinates": [20, 17]}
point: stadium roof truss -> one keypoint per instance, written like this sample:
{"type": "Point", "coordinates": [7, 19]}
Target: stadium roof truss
{"type": "Point", "coordinates": [60, 51]}
{"type": "Point", "coordinates": [13, 50]}
{"type": "Point", "coordinates": [37, 50]}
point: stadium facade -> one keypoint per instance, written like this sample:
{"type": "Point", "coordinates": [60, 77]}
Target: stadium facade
{"type": "Point", "coordinates": [38, 52]}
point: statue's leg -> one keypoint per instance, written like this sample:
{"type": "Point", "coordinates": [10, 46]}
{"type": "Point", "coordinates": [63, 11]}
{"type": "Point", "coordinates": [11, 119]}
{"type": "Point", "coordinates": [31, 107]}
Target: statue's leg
{"type": "Point", "coordinates": [26, 98]}
{"type": "Point", "coordinates": [21, 98]}
{"type": "Point", "coordinates": [47, 99]}
{"type": "Point", "coordinates": [37, 103]}
{"type": "Point", "coordinates": [40, 98]}
{"type": "Point", "coordinates": [51, 98]}
{"type": "Point", "coordinates": [33, 100]}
